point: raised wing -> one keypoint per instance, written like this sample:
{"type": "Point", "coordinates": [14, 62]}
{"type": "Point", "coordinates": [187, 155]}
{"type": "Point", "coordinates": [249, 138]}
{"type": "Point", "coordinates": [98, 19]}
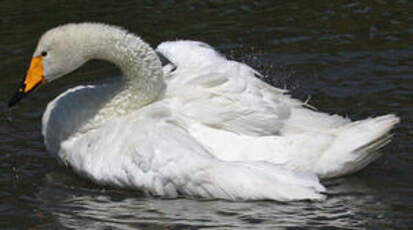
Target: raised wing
{"type": "Point", "coordinates": [224, 94]}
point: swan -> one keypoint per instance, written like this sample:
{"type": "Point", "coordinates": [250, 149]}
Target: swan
{"type": "Point", "coordinates": [184, 120]}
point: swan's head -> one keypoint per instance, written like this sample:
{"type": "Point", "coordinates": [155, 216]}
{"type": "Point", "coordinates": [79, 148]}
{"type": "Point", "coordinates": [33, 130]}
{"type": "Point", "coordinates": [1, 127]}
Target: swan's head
{"type": "Point", "coordinates": [58, 52]}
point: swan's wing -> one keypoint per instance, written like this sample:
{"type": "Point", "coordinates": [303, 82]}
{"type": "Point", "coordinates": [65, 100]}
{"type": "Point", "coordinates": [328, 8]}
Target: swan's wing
{"type": "Point", "coordinates": [223, 94]}
{"type": "Point", "coordinates": [152, 150]}
{"type": "Point", "coordinates": [228, 95]}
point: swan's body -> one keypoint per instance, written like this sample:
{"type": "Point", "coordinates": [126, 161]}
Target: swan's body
{"type": "Point", "coordinates": [205, 128]}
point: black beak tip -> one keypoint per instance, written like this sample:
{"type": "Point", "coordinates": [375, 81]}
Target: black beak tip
{"type": "Point", "coordinates": [20, 94]}
{"type": "Point", "coordinates": [16, 98]}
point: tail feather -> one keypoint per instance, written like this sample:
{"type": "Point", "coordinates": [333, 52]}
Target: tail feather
{"type": "Point", "coordinates": [357, 144]}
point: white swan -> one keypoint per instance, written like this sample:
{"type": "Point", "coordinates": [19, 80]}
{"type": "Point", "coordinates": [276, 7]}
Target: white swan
{"type": "Point", "coordinates": [201, 126]}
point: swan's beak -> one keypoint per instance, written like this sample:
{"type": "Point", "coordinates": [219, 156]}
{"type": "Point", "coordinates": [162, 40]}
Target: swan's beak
{"type": "Point", "coordinates": [33, 79]}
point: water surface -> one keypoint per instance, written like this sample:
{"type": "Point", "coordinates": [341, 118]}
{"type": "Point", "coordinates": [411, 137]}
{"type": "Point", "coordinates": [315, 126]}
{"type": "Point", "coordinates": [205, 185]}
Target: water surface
{"type": "Point", "coordinates": [353, 58]}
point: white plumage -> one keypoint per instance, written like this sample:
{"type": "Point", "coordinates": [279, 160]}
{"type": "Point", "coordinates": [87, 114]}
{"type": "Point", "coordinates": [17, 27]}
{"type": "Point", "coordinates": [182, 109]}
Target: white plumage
{"type": "Point", "coordinates": [205, 128]}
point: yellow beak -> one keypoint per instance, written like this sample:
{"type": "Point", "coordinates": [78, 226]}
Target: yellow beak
{"type": "Point", "coordinates": [34, 75]}
{"type": "Point", "coordinates": [34, 78]}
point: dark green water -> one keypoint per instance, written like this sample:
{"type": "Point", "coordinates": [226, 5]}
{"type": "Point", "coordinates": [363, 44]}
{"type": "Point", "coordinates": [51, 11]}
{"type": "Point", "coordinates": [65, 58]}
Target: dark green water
{"type": "Point", "coordinates": [354, 58]}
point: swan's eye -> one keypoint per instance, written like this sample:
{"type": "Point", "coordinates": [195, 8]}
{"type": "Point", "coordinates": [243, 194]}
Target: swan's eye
{"type": "Point", "coordinates": [44, 54]}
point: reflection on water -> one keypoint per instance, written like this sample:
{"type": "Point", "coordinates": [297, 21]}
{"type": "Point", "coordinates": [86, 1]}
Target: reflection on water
{"type": "Point", "coordinates": [353, 58]}
{"type": "Point", "coordinates": [351, 204]}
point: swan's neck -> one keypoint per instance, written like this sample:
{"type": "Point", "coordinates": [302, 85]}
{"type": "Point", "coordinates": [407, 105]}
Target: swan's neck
{"type": "Point", "coordinates": [142, 81]}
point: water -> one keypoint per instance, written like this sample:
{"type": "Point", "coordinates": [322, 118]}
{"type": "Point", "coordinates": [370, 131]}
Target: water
{"type": "Point", "coordinates": [353, 58]}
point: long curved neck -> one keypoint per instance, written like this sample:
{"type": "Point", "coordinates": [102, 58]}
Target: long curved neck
{"type": "Point", "coordinates": [142, 81]}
